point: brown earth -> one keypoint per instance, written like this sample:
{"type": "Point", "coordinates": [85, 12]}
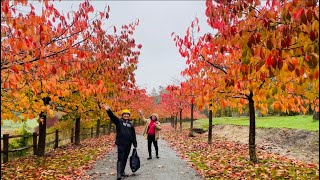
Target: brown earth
{"type": "Point", "coordinates": [296, 144]}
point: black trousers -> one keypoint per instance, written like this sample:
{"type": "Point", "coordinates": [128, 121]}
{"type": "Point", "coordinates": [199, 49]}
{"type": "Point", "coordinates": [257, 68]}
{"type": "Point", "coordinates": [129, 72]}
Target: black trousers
{"type": "Point", "coordinates": [123, 153]}
{"type": "Point", "coordinates": [152, 139]}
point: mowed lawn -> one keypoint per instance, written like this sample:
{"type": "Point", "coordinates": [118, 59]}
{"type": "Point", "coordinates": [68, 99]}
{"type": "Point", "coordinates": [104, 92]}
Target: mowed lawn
{"type": "Point", "coordinates": [304, 122]}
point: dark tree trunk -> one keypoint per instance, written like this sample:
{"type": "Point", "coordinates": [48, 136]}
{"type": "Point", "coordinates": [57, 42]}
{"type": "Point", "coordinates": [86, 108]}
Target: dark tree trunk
{"type": "Point", "coordinates": [104, 129]}
{"type": "Point", "coordinates": [42, 134]}
{"type": "Point", "coordinates": [191, 122]}
{"type": "Point", "coordinates": [77, 131]}
{"type": "Point", "coordinates": [98, 128]}
{"type": "Point", "coordinates": [172, 121]}
{"type": "Point", "coordinates": [252, 130]}
{"type": "Point", "coordinates": [315, 115]}
{"type": "Point", "coordinates": [181, 120]}
{"type": "Point", "coordinates": [43, 130]}
{"type": "Point", "coordinates": [210, 125]}
{"type": "Point", "coordinates": [109, 127]}
{"type": "Point", "coordinates": [176, 122]}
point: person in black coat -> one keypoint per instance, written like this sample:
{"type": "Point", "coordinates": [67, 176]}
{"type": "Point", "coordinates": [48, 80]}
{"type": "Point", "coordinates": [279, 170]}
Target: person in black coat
{"type": "Point", "coordinates": [126, 136]}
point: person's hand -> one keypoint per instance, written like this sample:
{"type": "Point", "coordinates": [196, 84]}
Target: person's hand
{"type": "Point", "coordinates": [135, 146]}
{"type": "Point", "coordinates": [106, 107]}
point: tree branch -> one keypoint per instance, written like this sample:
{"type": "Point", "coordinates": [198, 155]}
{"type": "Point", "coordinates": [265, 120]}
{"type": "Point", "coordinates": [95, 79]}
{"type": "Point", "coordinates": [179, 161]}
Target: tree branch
{"type": "Point", "coordinates": [215, 66]}
{"type": "Point", "coordinates": [38, 58]}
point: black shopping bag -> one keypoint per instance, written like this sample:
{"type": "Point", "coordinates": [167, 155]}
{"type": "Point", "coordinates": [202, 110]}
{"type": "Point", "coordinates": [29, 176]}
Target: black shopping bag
{"type": "Point", "coordinates": [134, 161]}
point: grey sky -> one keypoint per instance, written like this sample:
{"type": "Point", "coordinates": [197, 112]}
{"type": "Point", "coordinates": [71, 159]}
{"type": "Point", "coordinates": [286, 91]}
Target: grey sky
{"type": "Point", "coordinates": [160, 62]}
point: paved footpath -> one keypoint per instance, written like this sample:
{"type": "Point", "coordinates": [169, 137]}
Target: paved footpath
{"type": "Point", "coordinates": [168, 167]}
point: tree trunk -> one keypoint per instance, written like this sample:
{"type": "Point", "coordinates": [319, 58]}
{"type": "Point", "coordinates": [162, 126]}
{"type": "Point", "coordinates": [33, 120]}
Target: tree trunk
{"type": "Point", "coordinates": [42, 134]}
{"type": "Point", "coordinates": [98, 128]}
{"type": "Point", "coordinates": [172, 121]}
{"type": "Point", "coordinates": [210, 125]}
{"type": "Point", "coordinates": [43, 129]}
{"type": "Point", "coordinates": [315, 115]}
{"type": "Point", "coordinates": [104, 129]}
{"type": "Point", "coordinates": [77, 131]}
{"type": "Point", "coordinates": [191, 122]}
{"type": "Point", "coordinates": [109, 127]}
{"type": "Point", "coordinates": [176, 122]}
{"type": "Point", "coordinates": [252, 130]}
{"type": "Point", "coordinates": [181, 120]}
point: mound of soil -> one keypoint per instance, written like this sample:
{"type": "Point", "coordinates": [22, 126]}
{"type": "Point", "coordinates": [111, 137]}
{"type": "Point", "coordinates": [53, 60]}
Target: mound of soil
{"type": "Point", "coordinates": [297, 144]}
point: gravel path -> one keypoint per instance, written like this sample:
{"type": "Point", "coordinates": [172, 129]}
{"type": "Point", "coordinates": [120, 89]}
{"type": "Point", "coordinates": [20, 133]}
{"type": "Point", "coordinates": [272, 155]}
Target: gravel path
{"type": "Point", "coordinates": [168, 166]}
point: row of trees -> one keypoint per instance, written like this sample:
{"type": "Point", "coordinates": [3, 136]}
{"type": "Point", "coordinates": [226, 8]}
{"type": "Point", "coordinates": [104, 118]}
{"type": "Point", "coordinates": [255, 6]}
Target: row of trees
{"type": "Point", "coordinates": [260, 56]}
{"type": "Point", "coordinates": [69, 62]}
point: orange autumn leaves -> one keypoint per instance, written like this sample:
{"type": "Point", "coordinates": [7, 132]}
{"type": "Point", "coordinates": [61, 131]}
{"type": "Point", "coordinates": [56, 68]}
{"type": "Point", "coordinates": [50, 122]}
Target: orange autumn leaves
{"type": "Point", "coordinates": [270, 51]}
{"type": "Point", "coordinates": [228, 160]}
{"type": "Point", "coordinates": [67, 56]}
{"type": "Point", "coordinates": [79, 160]}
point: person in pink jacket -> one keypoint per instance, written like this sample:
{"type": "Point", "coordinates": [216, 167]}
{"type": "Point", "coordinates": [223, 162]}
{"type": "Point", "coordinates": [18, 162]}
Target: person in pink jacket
{"type": "Point", "coordinates": [151, 132]}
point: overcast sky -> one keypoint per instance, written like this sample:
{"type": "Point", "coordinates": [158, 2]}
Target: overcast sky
{"type": "Point", "coordinates": [160, 63]}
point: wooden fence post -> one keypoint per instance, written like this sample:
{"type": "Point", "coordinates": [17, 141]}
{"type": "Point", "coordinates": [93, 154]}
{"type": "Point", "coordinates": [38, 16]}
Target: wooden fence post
{"type": "Point", "coordinates": [35, 144]}
{"type": "Point", "coordinates": [91, 132]}
{"type": "Point", "coordinates": [72, 130]}
{"type": "Point", "coordinates": [98, 128]}
{"type": "Point", "coordinates": [5, 148]}
{"type": "Point", "coordinates": [56, 143]}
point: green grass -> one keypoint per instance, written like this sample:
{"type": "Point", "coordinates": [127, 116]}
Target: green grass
{"type": "Point", "coordinates": [9, 125]}
{"type": "Point", "coordinates": [303, 122]}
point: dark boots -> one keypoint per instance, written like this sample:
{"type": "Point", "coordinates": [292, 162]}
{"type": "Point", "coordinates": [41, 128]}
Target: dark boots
{"type": "Point", "coordinates": [118, 170]}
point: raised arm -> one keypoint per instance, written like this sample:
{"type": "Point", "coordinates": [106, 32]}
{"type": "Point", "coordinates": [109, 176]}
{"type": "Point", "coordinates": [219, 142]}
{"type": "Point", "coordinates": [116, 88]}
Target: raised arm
{"type": "Point", "coordinates": [113, 118]}
{"type": "Point", "coordinates": [142, 117]}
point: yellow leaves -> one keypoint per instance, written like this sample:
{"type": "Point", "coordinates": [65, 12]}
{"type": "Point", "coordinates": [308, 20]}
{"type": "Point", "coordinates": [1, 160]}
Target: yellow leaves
{"type": "Point", "coordinates": [308, 48]}
{"type": "Point", "coordinates": [298, 89]}
{"type": "Point", "coordinates": [274, 90]}
{"type": "Point", "coordinates": [311, 95]}
{"type": "Point", "coordinates": [315, 26]}
{"type": "Point", "coordinates": [50, 112]}
{"type": "Point", "coordinates": [24, 102]}
{"type": "Point", "coordinates": [43, 95]}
